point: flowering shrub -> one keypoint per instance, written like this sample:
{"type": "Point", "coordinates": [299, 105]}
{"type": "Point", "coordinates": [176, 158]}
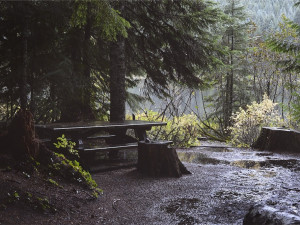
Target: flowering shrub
{"type": "Point", "coordinates": [183, 130]}
{"type": "Point", "coordinates": [247, 123]}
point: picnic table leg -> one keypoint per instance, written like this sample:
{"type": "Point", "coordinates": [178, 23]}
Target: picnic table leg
{"type": "Point", "coordinates": [120, 133]}
{"type": "Point", "coordinates": [141, 134]}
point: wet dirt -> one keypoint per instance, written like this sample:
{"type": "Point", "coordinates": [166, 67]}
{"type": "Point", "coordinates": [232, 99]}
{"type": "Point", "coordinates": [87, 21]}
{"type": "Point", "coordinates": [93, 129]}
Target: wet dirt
{"type": "Point", "coordinates": [225, 182]}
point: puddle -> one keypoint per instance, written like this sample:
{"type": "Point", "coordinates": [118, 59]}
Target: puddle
{"type": "Point", "coordinates": [225, 194]}
{"type": "Point", "coordinates": [289, 163]}
{"type": "Point", "coordinates": [218, 149]}
{"type": "Point", "coordinates": [264, 154]}
{"type": "Point", "coordinates": [248, 164]}
{"type": "Point", "coordinates": [247, 153]}
{"type": "Point", "coordinates": [270, 174]}
{"type": "Point", "coordinates": [182, 209]}
{"type": "Point", "coordinates": [247, 160]}
{"type": "Point", "coordinates": [196, 157]}
{"type": "Point", "coordinates": [269, 163]}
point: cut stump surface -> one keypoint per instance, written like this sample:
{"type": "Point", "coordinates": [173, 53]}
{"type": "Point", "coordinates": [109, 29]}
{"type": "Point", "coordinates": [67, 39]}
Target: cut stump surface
{"type": "Point", "coordinates": [158, 160]}
{"type": "Point", "coordinates": [277, 139]}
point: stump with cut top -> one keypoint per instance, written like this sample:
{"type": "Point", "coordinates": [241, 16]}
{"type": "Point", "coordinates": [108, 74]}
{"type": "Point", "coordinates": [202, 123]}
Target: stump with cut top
{"type": "Point", "coordinates": [156, 159]}
{"type": "Point", "coordinates": [278, 139]}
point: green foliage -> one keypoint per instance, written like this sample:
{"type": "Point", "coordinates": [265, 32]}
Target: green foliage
{"type": "Point", "coordinates": [74, 171]}
{"type": "Point", "coordinates": [286, 41]}
{"type": "Point", "coordinates": [44, 203]}
{"type": "Point", "coordinates": [247, 123]}
{"type": "Point", "coordinates": [295, 112]}
{"type": "Point", "coordinates": [107, 19]}
{"type": "Point", "coordinates": [16, 195]}
{"type": "Point", "coordinates": [51, 181]}
{"type": "Point", "coordinates": [72, 168]}
{"type": "Point", "coordinates": [175, 47]}
{"type": "Point", "coordinates": [36, 202]}
{"type": "Point", "coordinates": [266, 13]}
{"type": "Point", "coordinates": [182, 130]}
{"type": "Point", "coordinates": [63, 143]}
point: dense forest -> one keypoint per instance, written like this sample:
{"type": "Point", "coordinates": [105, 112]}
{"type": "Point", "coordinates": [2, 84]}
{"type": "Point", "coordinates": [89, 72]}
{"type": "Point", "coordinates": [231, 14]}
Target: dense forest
{"type": "Point", "coordinates": [71, 61]}
{"type": "Point", "coordinates": [267, 14]}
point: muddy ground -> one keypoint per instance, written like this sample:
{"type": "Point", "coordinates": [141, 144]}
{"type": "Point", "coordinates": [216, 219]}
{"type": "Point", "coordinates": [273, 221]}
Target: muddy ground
{"type": "Point", "coordinates": [224, 183]}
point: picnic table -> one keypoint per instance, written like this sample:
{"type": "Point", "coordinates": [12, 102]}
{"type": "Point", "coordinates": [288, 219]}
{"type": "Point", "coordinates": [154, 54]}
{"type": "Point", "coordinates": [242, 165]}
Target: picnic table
{"type": "Point", "coordinates": [115, 133]}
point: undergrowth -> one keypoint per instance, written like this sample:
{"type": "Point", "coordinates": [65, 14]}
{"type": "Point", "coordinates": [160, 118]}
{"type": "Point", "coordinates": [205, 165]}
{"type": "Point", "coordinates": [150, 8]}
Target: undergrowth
{"type": "Point", "coordinates": [182, 130]}
{"type": "Point", "coordinates": [71, 169]}
{"type": "Point", "coordinates": [248, 123]}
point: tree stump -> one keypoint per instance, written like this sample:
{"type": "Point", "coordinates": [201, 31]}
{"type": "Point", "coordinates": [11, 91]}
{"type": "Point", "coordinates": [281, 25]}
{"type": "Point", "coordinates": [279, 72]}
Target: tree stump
{"type": "Point", "coordinates": [20, 138]}
{"type": "Point", "coordinates": [260, 214]}
{"type": "Point", "coordinates": [278, 139]}
{"type": "Point", "coordinates": [158, 160]}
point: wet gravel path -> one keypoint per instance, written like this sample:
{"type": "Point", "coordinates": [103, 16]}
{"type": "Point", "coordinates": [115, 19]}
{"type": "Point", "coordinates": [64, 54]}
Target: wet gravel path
{"type": "Point", "coordinates": [224, 183]}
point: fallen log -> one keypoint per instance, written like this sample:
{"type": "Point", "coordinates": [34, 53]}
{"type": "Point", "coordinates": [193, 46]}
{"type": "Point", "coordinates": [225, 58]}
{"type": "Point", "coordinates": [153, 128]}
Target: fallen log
{"type": "Point", "coordinates": [158, 160]}
{"type": "Point", "coordinates": [277, 139]}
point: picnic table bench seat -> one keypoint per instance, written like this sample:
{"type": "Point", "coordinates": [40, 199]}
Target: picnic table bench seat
{"type": "Point", "coordinates": [91, 148]}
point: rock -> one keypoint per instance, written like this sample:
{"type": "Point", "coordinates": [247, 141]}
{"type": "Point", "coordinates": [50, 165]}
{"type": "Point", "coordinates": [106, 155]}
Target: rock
{"type": "Point", "coordinates": [278, 139]}
{"type": "Point", "coordinates": [266, 215]}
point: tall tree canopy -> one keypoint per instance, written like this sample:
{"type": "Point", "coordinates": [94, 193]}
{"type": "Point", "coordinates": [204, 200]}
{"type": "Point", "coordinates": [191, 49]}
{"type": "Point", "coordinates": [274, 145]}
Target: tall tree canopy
{"type": "Point", "coordinates": [169, 41]}
{"type": "Point", "coordinates": [62, 52]}
{"type": "Point", "coordinates": [65, 57]}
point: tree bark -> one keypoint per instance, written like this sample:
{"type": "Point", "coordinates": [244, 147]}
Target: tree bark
{"type": "Point", "coordinates": [20, 139]}
{"type": "Point", "coordinates": [278, 140]}
{"type": "Point", "coordinates": [23, 77]}
{"type": "Point", "coordinates": [158, 160]}
{"type": "Point", "coordinates": [117, 80]}
{"type": "Point", "coordinates": [86, 108]}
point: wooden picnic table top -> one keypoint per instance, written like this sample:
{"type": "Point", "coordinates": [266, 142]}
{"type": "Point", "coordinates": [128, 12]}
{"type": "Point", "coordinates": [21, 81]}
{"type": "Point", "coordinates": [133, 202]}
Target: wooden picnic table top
{"type": "Point", "coordinates": [71, 126]}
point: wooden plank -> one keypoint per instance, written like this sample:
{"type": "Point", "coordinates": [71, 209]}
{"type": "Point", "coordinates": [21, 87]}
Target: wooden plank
{"type": "Point", "coordinates": [128, 124]}
{"type": "Point", "coordinates": [101, 137]}
{"type": "Point", "coordinates": [157, 142]}
{"type": "Point", "coordinates": [110, 147]}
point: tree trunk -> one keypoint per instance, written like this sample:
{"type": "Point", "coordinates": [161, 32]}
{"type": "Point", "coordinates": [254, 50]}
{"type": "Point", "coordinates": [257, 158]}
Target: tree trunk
{"type": "Point", "coordinates": [117, 80]}
{"type": "Point", "coordinates": [278, 140]}
{"type": "Point", "coordinates": [158, 160]}
{"type": "Point", "coordinates": [72, 99]}
{"type": "Point", "coordinates": [23, 76]}
{"type": "Point", "coordinates": [86, 108]}
{"type": "Point", "coordinates": [20, 139]}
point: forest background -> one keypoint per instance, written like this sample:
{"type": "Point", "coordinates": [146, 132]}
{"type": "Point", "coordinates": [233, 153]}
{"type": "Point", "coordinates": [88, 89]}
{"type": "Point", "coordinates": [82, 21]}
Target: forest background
{"type": "Point", "coordinates": [58, 60]}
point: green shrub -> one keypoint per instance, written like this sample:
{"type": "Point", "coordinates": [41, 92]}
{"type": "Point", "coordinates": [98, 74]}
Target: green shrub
{"type": "Point", "coordinates": [183, 130]}
{"type": "Point", "coordinates": [72, 168]}
{"type": "Point", "coordinates": [294, 117]}
{"type": "Point", "coordinates": [248, 123]}
{"type": "Point", "coordinates": [63, 143]}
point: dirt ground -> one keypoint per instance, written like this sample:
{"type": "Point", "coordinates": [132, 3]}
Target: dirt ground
{"type": "Point", "coordinates": [224, 183]}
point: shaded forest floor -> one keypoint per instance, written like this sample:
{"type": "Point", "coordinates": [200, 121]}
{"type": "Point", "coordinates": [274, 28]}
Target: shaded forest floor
{"type": "Point", "coordinates": [224, 183]}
